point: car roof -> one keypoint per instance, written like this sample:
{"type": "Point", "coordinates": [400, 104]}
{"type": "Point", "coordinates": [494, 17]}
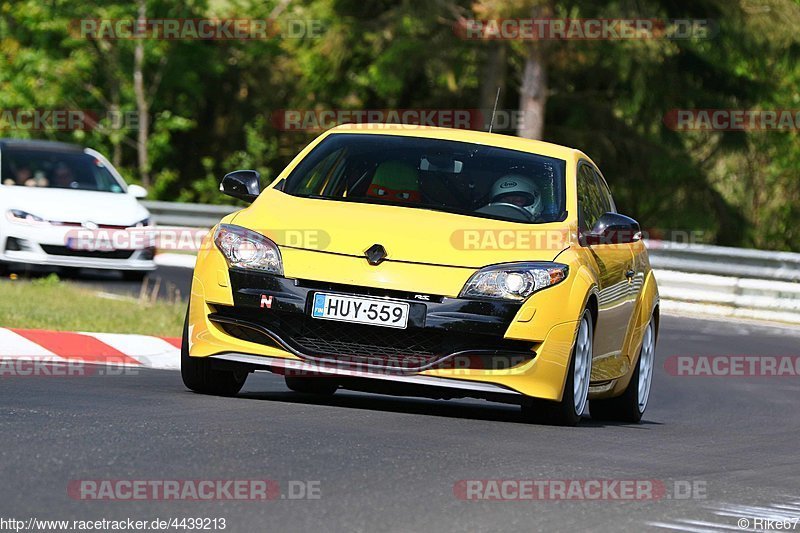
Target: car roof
{"type": "Point", "coordinates": [477, 137]}
{"type": "Point", "coordinates": [32, 144]}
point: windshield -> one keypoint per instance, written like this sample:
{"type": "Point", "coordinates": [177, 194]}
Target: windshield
{"type": "Point", "coordinates": [56, 170]}
{"type": "Point", "coordinates": [435, 174]}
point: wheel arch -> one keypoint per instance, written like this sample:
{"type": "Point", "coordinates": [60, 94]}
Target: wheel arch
{"type": "Point", "coordinates": [592, 306]}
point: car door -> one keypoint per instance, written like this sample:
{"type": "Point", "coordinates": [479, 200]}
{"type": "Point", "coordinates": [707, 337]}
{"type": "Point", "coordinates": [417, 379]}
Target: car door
{"type": "Point", "coordinates": [613, 263]}
{"type": "Point", "coordinates": [635, 273]}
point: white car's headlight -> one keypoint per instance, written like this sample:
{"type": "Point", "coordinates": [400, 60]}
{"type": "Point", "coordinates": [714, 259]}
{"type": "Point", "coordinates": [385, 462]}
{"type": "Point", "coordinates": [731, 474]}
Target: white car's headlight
{"type": "Point", "coordinates": [22, 217]}
{"type": "Point", "coordinates": [247, 249]}
{"type": "Point", "coordinates": [514, 281]}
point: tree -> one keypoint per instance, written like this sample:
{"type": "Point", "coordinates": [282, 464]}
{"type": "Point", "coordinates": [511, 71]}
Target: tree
{"type": "Point", "coordinates": [207, 105]}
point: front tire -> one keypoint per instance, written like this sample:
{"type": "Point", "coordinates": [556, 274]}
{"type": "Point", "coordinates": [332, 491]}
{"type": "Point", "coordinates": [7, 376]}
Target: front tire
{"type": "Point", "coordinates": [199, 376]}
{"type": "Point", "coordinates": [630, 406]}
{"type": "Point", "coordinates": [568, 411]}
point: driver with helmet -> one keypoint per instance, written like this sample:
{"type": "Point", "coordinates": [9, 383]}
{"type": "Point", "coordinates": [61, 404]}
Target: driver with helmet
{"type": "Point", "coordinates": [518, 191]}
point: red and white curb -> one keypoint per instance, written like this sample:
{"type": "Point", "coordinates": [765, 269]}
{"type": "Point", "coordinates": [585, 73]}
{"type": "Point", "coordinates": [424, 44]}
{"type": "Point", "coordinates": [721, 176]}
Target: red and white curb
{"type": "Point", "coordinates": [91, 348]}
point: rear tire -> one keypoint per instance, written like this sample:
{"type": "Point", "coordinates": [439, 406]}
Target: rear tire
{"type": "Point", "coordinates": [630, 406]}
{"type": "Point", "coordinates": [199, 376]}
{"type": "Point", "coordinates": [573, 403]}
{"type": "Point", "coordinates": [321, 386]}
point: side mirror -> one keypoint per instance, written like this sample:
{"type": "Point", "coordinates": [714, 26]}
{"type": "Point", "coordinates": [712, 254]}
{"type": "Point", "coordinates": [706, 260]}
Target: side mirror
{"type": "Point", "coordinates": [242, 184]}
{"type": "Point", "coordinates": [613, 228]}
{"type": "Point", "coordinates": [137, 191]}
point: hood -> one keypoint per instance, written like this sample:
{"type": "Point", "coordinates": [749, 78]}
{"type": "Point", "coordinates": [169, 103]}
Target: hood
{"type": "Point", "coordinates": [68, 205]}
{"type": "Point", "coordinates": [407, 234]}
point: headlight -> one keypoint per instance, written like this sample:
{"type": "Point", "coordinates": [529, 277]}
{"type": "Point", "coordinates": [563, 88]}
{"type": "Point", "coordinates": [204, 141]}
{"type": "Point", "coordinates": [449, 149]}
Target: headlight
{"type": "Point", "coordinates": [514, 281]}
{"type": "Point", "coordinates": [16, 215]}
{"type": "Point", "coordinates": [247, 249]}
{"type": "Point", "coordinates": [143, 223]}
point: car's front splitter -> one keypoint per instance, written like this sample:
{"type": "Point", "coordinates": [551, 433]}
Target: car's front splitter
{"type": "Point", "coordinates": [412, 385]}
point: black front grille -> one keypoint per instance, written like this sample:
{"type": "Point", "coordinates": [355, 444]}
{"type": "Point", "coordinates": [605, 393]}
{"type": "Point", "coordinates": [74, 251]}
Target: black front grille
{"type": "Point", "coordinates": [388, 346]}
{"type": "Point", "coordinates": [68, 252]}
{"type": "Point", "coordinates": [363, 344]}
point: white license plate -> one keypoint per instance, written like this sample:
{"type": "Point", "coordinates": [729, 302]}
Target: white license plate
{"type": "Point", "coordinates": [360, 310]}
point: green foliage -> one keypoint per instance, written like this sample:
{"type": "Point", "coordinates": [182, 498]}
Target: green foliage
{"type": "Point", "coordinates": [51, 280]}
{"type": "Point", "coordinates": [212, 102]}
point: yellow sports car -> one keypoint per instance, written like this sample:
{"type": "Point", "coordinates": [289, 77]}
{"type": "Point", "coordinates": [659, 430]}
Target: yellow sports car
{"type": "Point", "coordinates": [429, 262]}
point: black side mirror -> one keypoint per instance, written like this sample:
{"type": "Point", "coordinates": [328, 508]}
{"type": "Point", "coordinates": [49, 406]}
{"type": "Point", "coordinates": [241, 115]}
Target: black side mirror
{"type": "Point", "coordinates": [613, 228]}
{"type": "Point", "coordinates": [242, 184]}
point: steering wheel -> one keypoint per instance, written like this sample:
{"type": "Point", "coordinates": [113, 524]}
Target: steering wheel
{"type": "Point", "coordinates": [527, 214]}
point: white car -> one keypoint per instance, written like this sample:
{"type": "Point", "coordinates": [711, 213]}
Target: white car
{"type": "Point", "coordinates": [66, 206]}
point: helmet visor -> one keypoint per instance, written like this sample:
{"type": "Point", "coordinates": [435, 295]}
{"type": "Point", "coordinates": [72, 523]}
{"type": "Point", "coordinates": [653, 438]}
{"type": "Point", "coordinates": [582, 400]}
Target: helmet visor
{"type": "Point", "coordinates": [519, 198]}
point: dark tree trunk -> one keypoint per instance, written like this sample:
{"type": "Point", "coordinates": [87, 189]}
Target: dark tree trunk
{"type": "Point", "coordinates": [533, 95]}
{"type": "Point", "coordinates": [142, 105]}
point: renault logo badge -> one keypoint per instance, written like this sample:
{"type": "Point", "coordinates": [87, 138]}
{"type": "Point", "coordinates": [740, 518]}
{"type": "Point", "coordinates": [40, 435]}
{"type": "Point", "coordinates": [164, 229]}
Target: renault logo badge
{"type": "Point", "coordinates": [375, 254]}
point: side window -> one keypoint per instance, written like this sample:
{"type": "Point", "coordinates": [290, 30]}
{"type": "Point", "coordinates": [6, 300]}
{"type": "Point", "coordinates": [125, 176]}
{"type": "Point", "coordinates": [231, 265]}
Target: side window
{"type": "Point", "coordinates": [591, 201]}
{"type": "Point", "coordinates": [606, 192]}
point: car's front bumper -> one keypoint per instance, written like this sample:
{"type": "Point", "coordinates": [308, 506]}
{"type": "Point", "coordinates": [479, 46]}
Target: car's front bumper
{"type": "Point", "coordinates": [451, 343]}
{"type": "Point", "coordinates": [441, 332]}
{"type": "Point", "coordinates": [46, 245]}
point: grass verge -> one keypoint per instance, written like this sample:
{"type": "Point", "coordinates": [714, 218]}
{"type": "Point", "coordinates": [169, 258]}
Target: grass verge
{"type": "Point", "coordinates": [48, 303]}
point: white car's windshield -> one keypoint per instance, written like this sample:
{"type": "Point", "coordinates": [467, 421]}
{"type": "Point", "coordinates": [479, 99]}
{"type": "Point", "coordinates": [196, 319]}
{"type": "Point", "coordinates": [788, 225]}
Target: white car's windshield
{"type": "Point", "coordinates": [442, 175]}
{"type": "Point", "coordinates": [56, 169]}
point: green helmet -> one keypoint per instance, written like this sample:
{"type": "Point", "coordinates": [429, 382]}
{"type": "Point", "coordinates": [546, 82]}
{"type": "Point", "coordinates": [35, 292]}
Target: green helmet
{"type": "Point", "coordinates": [395, 180]}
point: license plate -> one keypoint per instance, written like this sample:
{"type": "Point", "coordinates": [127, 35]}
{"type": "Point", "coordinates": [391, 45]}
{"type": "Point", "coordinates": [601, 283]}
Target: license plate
{"type": "Point", "coordinates": [385, 313]}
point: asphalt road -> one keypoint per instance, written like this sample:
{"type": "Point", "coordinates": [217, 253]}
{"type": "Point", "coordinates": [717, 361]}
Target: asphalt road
{"type": "Point", "coordinates": [390, 464]}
